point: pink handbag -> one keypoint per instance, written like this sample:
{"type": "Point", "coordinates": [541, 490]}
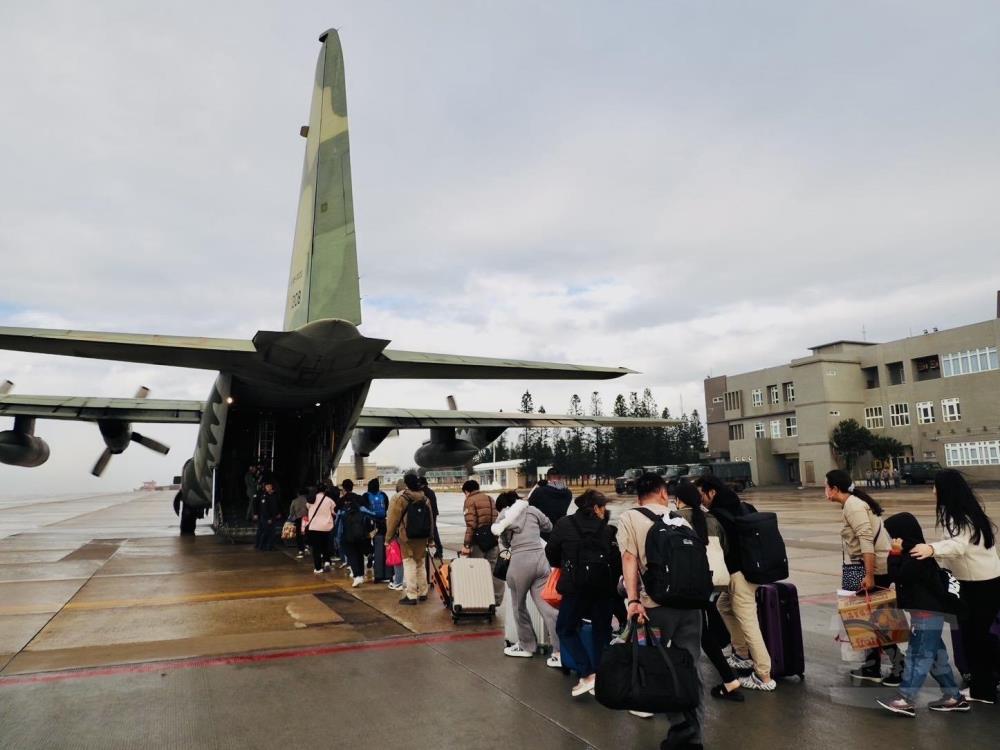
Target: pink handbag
{"type": "Point", "coordinates": [393, 554]}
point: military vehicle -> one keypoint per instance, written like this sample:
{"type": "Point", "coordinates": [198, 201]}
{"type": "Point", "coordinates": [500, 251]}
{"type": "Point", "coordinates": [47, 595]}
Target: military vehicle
{"type": "Point", "coordinates": [734, 473]}
{"type": "Point", "coordinates": [290, 400]}
{"type": "Point", "coordinates": [919, 472]}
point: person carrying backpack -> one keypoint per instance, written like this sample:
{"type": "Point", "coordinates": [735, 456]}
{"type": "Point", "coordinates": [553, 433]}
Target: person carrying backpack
{"type": "Point", "coordinates": [410, 518]}
{"type": "Point", "coordinates": [922, 589]}
{"type": "Point", "coordinates": [357, 528]}
{"type": "Point", "coordinates": [584, 547]}
{"type": "Point", "coordinates": [375, 506]}
{"type": "Point", "coordinates": [679, 563]}
{"type": "Point", "coordinates": [738, 604]}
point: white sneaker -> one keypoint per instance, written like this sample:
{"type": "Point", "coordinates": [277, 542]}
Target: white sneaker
{"type": "Point", "coordinates": [396, 586]}
{"type": "Point", "coordinates": [358, 580]}
{"type": "Point", "coordinates": [326, 566]}
{"type": "Point", "coordinates": [642, 714]}
{"type": "Point", "coordinates": [318, 572]}
{"type": "Point", "coordinates": [585, 685]}
{"type": "Point", "coordinates": [554, 661]}
{"type": "Point", "coordinates": [753, 682]}
{"type": "Point", "coordinates": [516, 650]}
{"type": "Point", "coordinates": [738, 662]}
{"type": "Point", "coordinates": [300, 555]}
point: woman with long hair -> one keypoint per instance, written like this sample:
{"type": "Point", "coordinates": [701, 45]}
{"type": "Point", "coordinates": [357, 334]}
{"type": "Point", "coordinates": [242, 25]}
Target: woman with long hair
{"type": "Point", "coordinates": [318, 523]}
{"type": "Point", "coordinates": [865, 541]}
{"type": "Point", "coordinates": [738, 604]}
{"type": "Point", "coordinates": [969, 549]}
{"type": "Point", "coordinates": [689, 507]}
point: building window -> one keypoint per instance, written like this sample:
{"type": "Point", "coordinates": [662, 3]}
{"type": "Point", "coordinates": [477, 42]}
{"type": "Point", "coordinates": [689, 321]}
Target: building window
{"type": "Point", "coordinates": [926, 368]}
{"type": "Point", "coordinates": [983, 453]}
{"type": "Point", "coordinates": [951, 410]}
{"type": "Point", "coordinates": [899, 415]}
{"type": "Point", "coordinates": [776, 428]}
{"type": "Point", "coordinates": [759, 431]}
{"type": "Point", "coordinates": [966, 363]}
{"type": "Point", "coordinates": [773, 395]}
{"type": "Point", "coordinates": [736, 431]}
{"type": "Point", "coordinates": [789, 389]}
{"type": "Point", "coordinates": [717, 400]}
{"type": "Point", "coordinates": [870, 374]}
{"type": "Point", "coordinates": [734, 402]}
{"type": "Point", "coordinates": [925, 412]}
{"type": "Point", "coordinates": [873, 418]}
{"type": "Point", "coordinates": [897, 375]}
{"type": "Point", "coordinates": [758, 397]}
{"type": "Point", "coordinates": [791, 427]}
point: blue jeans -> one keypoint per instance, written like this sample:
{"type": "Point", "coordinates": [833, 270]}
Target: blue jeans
{"type": "Point", "coordinates": [927, 655]}
{"type": "Point", "coordinates": [397, 575]}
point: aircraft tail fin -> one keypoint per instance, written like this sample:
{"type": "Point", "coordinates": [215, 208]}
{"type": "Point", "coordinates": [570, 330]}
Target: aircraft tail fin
{"type": "Point", "coordinates": [323, 282]}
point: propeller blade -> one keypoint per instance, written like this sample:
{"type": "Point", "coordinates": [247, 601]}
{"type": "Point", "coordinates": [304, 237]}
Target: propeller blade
{"type": "Point", "coordinates": [359, 467]}
{"type": "Point", "coordinates": [102, 463]}
{"type": "Point", "coordinates": [142, 392]}
{"type": "Point", "coordinates": [148, 442]}
{"type": "Point", "coordinates": [452, 404]}
{"type": "Point", "coordinates": [6, 387]}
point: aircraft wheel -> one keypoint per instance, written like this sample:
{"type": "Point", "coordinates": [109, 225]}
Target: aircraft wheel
{"type": "Point", "coordinates": [188, 521]}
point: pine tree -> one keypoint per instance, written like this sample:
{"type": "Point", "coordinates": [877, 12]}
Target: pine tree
{"type": "Point", "coordinates": [527, 407]}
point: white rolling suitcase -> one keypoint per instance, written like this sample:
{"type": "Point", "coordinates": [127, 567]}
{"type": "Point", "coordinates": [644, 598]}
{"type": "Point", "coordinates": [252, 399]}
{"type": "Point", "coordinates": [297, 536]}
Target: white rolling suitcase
{"type": "Point", "coordinates": [471, 584]}
{"type": "Point", "coordinates": [510, 626]}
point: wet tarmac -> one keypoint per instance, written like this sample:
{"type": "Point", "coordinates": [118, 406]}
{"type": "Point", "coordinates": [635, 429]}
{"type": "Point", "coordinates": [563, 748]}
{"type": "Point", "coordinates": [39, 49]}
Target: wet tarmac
{"type": "Point", "coordinates": [116, 633]}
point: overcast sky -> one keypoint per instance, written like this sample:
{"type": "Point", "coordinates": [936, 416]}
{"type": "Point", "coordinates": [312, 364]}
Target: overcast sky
{"type": "Point", "coordinates": [682, 188]}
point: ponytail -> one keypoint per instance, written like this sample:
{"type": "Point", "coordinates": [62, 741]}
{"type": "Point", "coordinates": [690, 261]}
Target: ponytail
{"type": "Point", "coordinates": [688, 494]}
{"type": "Point", "coordinates": [841, 480]}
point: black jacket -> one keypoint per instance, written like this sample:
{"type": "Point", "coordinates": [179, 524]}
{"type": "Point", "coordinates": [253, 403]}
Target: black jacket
{"type": "Point", "coordinates": [552, 501]}
{"type": "Point", "coordinates": [565, 539]}
{"type": "Point", "coordinates": [919, 585]}
{"type": "Point", "coordinates": [432, 498]}
{"type": "Point", "coordinates": [269, 507]}
{"type": "Point", "coordinates": [725, 513]}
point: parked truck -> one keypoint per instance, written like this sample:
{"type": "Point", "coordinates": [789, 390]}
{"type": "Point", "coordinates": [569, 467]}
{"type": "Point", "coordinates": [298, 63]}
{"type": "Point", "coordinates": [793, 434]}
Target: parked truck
{"type": "Point", "coordinates": [734, 473]}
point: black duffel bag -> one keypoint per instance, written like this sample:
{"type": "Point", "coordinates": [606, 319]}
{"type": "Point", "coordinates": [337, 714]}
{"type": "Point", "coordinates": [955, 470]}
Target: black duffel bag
{"type": "Point", "coordinates": [647, 677]}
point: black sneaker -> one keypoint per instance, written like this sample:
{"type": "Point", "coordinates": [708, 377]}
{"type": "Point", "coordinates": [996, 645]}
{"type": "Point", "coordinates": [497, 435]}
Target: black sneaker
{"type": "Point", "coordinates": [893, 680]}
{"type": "Point", "coordinates": [867, 675]}
{"type": "Point", "coordinates": [408, 601]}
{"type": "Point", "coordinates": [949, 704]}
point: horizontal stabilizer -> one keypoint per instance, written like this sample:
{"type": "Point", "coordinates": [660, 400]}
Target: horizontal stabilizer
{"type": "Point", "coordinates": [176, 351]}
{"type": "Point", "coordinates": [426, 418]}
{"type": "Point", "coordinates": [81, 408]}
{"type": "Point", "coordinates": [423, 365]}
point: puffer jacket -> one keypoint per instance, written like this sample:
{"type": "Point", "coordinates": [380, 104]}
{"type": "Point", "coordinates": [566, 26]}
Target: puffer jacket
{"type": "Point", "coordinates": [479, 511]}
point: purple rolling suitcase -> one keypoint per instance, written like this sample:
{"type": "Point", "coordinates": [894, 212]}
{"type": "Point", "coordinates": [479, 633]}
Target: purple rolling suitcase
{"type": "Point", "coordinates": [781, 626]}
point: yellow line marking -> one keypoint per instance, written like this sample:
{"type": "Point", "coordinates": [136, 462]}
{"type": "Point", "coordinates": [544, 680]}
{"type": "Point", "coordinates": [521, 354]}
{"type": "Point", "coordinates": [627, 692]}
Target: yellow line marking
{"type": "Point", "coordinates": [194, 598]}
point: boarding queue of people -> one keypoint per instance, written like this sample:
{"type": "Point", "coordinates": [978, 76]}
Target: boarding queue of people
{"type": "Point", "coordinates": [608, 576]}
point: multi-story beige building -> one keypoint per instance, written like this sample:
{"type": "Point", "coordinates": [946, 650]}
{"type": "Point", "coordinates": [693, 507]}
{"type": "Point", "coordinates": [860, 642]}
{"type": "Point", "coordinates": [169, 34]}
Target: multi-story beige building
{"type": "Point", "coordinates": [937, 393]}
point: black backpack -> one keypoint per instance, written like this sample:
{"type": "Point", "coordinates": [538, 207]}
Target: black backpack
{"type": "Point", "coordinates": [677, 573]}
{"type": "Point", "coordinates": [592, 570]}
{"type": "Point", "coordinates": [762, 550]}
{"type": "Point", "coordinates": [418, 520]}
{"type": "Point", "coordinates": [357, 526]}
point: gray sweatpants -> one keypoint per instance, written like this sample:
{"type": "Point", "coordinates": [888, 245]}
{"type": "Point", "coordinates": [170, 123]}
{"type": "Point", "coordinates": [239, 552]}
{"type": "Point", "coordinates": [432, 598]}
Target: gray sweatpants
{"type": "Point", "coordinates": [682, 627]}
{"type": "Point", "coordinates": [527, 574]}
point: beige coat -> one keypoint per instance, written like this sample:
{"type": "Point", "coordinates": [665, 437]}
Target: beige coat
{"type": "Point", "coordinates": [396, 522]}
{"type": "Point", "coordinates": [863, 534]}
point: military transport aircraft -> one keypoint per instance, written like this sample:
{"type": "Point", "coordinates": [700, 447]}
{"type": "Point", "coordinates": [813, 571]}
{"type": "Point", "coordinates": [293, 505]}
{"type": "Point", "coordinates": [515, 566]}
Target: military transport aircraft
{"type": "Point", "coordinates": [291, 397]}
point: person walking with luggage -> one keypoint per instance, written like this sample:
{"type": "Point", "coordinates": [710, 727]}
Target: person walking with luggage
{"type": "Point", "coordinates": [357, 528]}
{"type": "Point", "coordinates": [375, 506]}
{"type": "Point", "coordinates": [969, 548]}
{"type": "Point", "coordinates": [432, 498]}
{"type": "Point", "coordinates": [479, 541]}
{"type": "Point", "coordinates": [682, 627]}
{"type": "Point", "coordinates": [409, 517]}
{"type": "Point", "coordinates": [689, 507]}
{"type": "Point", "coordinates": [865, 540]}
{"type": "Point", "coordinates": [527, 574]}
{"type": "Point", "coordinates": [737, 605]}
{"type": "Point", "coordinates": [318, 524]}
{"type": "Point", "coordinates": [552, 497]}
{"type": "Point", "coordinates": [296, 512]}
{"type": "Point", "coordinates": [268, 515]}
{"type": "Point", "coordinates": [583, 546]}
{"type": "Point", "coordinates": [921, 591]}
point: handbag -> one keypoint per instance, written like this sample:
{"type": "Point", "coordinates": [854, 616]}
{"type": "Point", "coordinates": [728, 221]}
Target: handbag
{"type": "Point", "coordinates": [550, 594]}
{"type": "Point", "coordinates": [650, 677]}
{"type": "Point", "coordinates": [483, 538]}
{"type": "Point", "coordinates": [501, 565]}
{"type": "Point", "coordinates": [717, 562]}
{"type": "Point", "coordinates": [393, 554]}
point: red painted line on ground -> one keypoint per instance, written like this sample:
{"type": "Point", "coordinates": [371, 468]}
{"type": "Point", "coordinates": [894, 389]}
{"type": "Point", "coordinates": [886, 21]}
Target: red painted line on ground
{"type": "Point", "coordinates": [255, 658]}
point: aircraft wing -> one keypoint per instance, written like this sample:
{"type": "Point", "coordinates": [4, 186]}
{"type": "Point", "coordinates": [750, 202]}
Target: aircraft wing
{"type": "Point", "coordinates": [148, 410]}
{"type": "Point", "coordinates": [426, 418]}
{"type": "Point", "coordinates": [420, 365]}
{"type": "Point", "coordinates": [175, 351]}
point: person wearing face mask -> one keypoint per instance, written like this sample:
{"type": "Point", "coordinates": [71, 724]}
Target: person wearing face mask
{"type": "Point", "coordinates": [552, 497]}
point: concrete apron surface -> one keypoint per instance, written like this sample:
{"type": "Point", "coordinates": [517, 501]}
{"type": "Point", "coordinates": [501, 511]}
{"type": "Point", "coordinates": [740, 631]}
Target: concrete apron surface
{"type": "Point", "coordinates": [116, 633]}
